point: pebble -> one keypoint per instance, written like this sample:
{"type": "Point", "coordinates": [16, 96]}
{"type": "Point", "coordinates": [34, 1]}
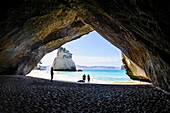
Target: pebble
{"type": "Point", "coordinates": [31, 95]}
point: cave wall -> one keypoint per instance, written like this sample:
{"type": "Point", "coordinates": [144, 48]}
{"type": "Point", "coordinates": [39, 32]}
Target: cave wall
{"type": "Point", "coordinates": [36, 32]}
{"type": "Point", "coordinates": [133, 70]}
{"type": "Point", "coordinates": [139, 28]}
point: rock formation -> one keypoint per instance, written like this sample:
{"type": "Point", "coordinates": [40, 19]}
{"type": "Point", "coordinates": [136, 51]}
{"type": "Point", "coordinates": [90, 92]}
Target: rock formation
{"type": "Point", "coordinates": [63, 61]}
{"type": "Point", "coordinates": [133, 70]}
{"type": "Point", "coordinates": [139, 28]}
{"type": "Point", "coordinates": [122, 67]}
{"type": "Point", "coordinates": [30, 29]}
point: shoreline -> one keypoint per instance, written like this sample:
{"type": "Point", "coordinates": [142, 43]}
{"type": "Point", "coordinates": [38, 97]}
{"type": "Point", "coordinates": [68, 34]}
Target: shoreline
{"type": "Point", "coordinates": [63, 78]}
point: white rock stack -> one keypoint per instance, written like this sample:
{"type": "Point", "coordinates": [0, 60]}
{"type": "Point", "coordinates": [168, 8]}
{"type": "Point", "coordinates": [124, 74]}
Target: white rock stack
{"type": "Point", "coordinates": [63, 61]}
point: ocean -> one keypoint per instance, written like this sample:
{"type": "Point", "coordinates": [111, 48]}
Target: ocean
{"type": "Point", "coordinates": [97, 76]}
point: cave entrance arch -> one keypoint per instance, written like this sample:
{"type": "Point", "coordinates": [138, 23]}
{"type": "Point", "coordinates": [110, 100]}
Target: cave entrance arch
{"type": "Point", "coordinates": [36, 28]}
{"type": "Point", "coordinates": [91, 53]}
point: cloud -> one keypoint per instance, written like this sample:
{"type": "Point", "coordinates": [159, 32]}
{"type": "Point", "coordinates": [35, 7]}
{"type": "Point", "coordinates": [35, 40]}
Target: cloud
{"type": "Point", "coordinates": [97, 61]}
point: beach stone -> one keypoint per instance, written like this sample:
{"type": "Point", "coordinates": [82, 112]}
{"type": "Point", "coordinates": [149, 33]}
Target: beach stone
{"type": "Point", "coordinates": [63, 61]}
{"type": "Point", "coordinates": [84, 98]}
{"type": "Point", "coordinates": [80, 81]}
{"type": "Point", "coordinates": [139, 28]}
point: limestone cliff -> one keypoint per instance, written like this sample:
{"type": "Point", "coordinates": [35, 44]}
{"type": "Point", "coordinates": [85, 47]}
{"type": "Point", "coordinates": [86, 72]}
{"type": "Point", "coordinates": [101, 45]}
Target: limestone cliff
{"type": "Point", "coordinates": [139, 28]}
{"type": "Point", "coordinates": [133, 70]}
{"type": "Point", "coordinates": [31, 29]}
{"type": "Point", "coordinates": [63, 61]}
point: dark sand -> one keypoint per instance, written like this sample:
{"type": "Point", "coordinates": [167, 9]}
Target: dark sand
{"type": "Point", "coordinates": [32, 95]}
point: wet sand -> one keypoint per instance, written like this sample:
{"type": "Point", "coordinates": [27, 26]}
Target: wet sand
{"type": "Point", "coordinates": [22, 94]}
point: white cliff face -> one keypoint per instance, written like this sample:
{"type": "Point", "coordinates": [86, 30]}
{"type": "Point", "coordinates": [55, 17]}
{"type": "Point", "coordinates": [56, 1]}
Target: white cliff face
{"type": "Point", "coordinates": [133, 70]}
{"type": "Point", "coordinates": [64, 61]}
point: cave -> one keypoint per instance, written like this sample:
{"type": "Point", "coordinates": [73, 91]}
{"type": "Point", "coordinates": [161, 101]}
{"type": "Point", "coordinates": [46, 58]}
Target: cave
{"type": "Point", "coordinates": [32, 28]}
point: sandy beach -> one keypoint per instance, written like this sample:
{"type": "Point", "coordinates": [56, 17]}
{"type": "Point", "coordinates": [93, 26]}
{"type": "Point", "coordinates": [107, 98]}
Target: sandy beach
{"type": "Point", "coordinates": [66, 78]}
{"type": "Point", "coordinates": [22, 94]}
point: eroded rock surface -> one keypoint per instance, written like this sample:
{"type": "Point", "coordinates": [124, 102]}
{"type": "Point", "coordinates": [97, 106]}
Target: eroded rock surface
{"type": "Point", "coordinates": [133, 70]}
{"type": "Point", "coordinates": [63, 61]}
{"type": "Point", "coordinates": [139, 28]}
{"type": "Point", "coordinates": [38, 31]}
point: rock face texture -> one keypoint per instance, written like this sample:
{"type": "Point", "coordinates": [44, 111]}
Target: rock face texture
{"type": "Point", "coordinates": [133, 70]}
{"type": "Point", "coordinates": [30, 29]}
{"type": "Point", "coordinates": [63, 61]}
{"type": "Point", "coordinates": [139, 28]}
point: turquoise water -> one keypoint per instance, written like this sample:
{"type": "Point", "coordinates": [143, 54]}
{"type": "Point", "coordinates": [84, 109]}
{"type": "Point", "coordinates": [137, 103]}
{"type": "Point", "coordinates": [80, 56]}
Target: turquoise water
{"type": "Point", "coordinates": [97, 75]}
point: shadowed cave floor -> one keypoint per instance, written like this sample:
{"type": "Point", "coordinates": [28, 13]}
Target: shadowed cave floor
{"type": "Point", "coordinates": [22, 94]}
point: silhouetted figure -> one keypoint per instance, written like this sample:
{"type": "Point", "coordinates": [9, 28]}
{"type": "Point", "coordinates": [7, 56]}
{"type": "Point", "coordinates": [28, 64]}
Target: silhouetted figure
{"type": "Point", "coordinates": [84, 77]}
{"type": "Point", "coordinates": [88, 78]}
{"type": "Point", "coordinates": [52, 73]}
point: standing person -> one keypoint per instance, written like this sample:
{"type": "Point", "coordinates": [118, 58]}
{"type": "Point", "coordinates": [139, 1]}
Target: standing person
{"type": "Point", "coordinates": [84, 77]}
{"type": "Point", "coordinates": [52, 73]}
{"type": "Point", "coordinates": [88, 78]}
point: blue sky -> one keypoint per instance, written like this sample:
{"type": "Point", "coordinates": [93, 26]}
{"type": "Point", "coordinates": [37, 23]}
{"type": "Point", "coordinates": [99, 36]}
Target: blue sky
{"type": "Point", "coordinates": [90, 50]}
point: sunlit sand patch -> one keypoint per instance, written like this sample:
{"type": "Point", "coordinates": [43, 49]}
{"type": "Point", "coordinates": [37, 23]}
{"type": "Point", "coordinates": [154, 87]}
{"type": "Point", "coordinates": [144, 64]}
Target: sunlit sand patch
{"type": "Point", "coordinates": [46, 75]}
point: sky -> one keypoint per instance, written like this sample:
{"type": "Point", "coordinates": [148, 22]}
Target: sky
{"type": "Point", "coordinates": [89, 50]}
